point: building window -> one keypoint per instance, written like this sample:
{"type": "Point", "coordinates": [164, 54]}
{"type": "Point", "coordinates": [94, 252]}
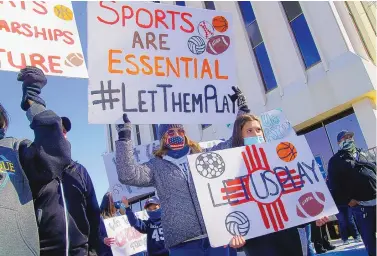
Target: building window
{"type": "Point", "coordinates": [301, 33]}
{"type": "Point", "coordinates": [111, 138]}
{"type": "Point", "coordinates": [180, 3]}
{"type": "Point", "coordinates": [155, 131]}
{"type": "Point", "coordinates": [137, 128]}
{"type": "Point", "coordinates": [209, 5]}
{"type": "Point", "coordinates": [157, 2]}
{"type": "Point", "coordinates": [258, 46]}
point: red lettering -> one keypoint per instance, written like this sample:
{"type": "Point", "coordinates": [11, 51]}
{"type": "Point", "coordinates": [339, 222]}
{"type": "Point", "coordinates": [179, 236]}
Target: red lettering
{"type": "Point", "coordinates": [11, 62]}
{"type": "Point", "coordinates": [23, 7]}
{"type": "Point", "coordinates": [16, 27]}
{"type": "Point", "coordinates": [188, 22]}
{"type": "Point", "coordinates": [160, 19]}
{"type": "Point", "coordinates": [38, 59]}
{"type": "Point", "coordinates": [52, 64]}
{"type": "Point", "coordinates": [101, 3]}
{"type": "Point", "coordinates": [57, 33]}
{"type": "Point", "coordinates": [4, 25]}
{"type": "Point", "coordinates": [41, 8]}
{"type": "Point", "coordinates": [173, 13]}
{"type": "Point", "coordinates": [124, 16]}
{"type": "Point", "coordinates": [68, 39]}
{"type": "Point", "coordinates": [138, 16]}
{"type": "Point", "coordinates": [42, 33]}
{"type": "Point", "coordinates": [27, 28]}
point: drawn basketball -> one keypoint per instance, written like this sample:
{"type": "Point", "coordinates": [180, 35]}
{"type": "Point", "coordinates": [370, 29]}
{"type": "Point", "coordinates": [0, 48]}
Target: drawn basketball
{"type": "Point", "coordinates": [220, 24]}
{"type": "Point", "coordinates": [196, 45]}
{"type": "Point", "coordinates": [210, 165]}
{"type": "Point", "coordinates": [63, 12]}
{"type": "Point", "coordinates": [74, 60]}
{"type": "Point", "coordinates": [310, 204]}
{"type": "Point", "coordinates": [237, 223]}
{"type": "Point", "coordinates": [205, 29]}
{"type": "Point", "coordinates": [286, 151]}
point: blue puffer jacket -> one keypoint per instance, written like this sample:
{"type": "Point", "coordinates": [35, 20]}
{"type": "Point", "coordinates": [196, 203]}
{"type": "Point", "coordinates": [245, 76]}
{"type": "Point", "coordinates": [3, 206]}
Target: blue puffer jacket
{"type": "Point", "coordinates": [182, 218]}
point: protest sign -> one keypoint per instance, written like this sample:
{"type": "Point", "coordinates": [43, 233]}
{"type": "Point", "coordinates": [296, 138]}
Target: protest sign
{"type": "Point", "coordinates": [142, 154]}
{"type": "Point", "coordinates": [41, 34]}
{"type": "Point", "coordinates": [275, 125]}
{"type": "Point", "coordinates": [128, 240]}
{"type": "Point", "coordinates": [160, 64]}
{"type": "Point", "coordinates": [259, 189]}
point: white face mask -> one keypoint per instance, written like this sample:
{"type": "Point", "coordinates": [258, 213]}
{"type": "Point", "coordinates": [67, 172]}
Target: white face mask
{"type": "Point", "coordinates": [253, 140]}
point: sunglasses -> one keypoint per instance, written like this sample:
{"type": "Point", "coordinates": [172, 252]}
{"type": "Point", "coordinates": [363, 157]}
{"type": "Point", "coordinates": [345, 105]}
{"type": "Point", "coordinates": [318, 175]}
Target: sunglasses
{"type": "Point", "coordinates": [172, 132]}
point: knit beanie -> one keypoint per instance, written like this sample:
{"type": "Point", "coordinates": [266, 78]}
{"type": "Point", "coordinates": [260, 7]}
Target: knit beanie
{"type": "Point", "coordinates": [163, 128]}
{"type": "Point", "coordinates": [66, 123]}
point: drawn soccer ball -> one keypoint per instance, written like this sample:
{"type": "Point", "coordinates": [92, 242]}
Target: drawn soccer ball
{"type": "Point", "coordinates": [210, 165]}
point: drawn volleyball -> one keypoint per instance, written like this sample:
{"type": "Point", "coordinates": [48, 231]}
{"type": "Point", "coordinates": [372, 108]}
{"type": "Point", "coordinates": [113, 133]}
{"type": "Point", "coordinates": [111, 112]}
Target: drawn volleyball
{"type": "Point", "coordinates": [237, 224]}
{"type": "Point", "coordinates": [196, 45]}
{"type": "Point", "coordinates": [210, 165]}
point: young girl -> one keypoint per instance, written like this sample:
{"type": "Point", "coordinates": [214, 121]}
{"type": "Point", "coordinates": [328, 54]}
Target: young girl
{"type": "Point", "coordinates": [184, 228]}
{"type": "Point", "coordinates": [248, 130]}
{"type": "Point", "coordinates": [107, 211]}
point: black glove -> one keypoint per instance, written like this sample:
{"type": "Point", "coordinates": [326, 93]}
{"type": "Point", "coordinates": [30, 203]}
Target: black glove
{"type": "Point", "coordinates": [33, 81]}
{"type": "Point", "coordinates": [122, 129]}
{"type": "Point", "coordinates": [241, 100]}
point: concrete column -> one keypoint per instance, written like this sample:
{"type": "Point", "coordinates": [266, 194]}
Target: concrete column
{"type": "Point", "coordinates": [366, 114]}
{"type": "Point", "coordinates": [195, 4]}
{"type": "Point", "coordinates": [279, 40]}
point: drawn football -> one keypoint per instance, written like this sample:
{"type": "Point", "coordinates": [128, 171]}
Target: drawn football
{"type": "Point", "coordinates": [210, 165]}
{"type": "Point", "coordinates": [310, 204]}
{"type": "Point", "coordinates": [74, 60]}
{"type": "Point", "coordinates": [237, 223]}
{"type": "Point", "coordinates": [218, 44]}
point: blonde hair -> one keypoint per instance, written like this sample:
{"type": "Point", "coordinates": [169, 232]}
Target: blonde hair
{"type": "Point", "coordinates": [237, 139]}
{"type": "Point", "coordinates": [194, 147]}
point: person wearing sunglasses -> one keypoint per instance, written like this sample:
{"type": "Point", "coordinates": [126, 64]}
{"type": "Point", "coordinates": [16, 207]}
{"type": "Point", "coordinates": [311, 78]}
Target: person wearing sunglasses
{"type": "Point", "coordinates": [184, 229]}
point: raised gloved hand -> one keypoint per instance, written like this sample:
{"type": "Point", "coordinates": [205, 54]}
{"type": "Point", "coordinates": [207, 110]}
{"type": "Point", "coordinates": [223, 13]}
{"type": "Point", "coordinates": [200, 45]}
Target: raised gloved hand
{"type": "Point", "coordinates": [240, 98]}
{"type": "Point", "coordinates": [122, 128]}
{"type": "Point", "coordinates": [33, 80]}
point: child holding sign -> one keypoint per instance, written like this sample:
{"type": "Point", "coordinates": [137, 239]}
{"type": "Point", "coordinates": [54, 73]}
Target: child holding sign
{"type": "Point", "coordinates": [185, 232]}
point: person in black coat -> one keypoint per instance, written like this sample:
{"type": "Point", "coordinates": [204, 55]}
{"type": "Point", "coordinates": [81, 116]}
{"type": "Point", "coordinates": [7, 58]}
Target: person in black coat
{"type": "Point", "coordinates": [65, 203]}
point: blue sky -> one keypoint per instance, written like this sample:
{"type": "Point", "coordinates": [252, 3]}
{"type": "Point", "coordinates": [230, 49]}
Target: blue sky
{"type": "Point", "coordinates": [66, 97]}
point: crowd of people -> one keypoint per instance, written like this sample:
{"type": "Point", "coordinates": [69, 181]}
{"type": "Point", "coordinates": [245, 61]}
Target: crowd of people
{"type": "Point", "coordinates": [51, 206]}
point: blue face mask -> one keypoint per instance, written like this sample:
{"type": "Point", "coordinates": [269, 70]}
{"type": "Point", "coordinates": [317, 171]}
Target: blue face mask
{"type": "Point", "coordinates": [253, 140]}
{"type": "Point", "coordinates": [2, 133]}
{"type": "Point", "coordinates": [348, 145]}
{"type": "Point", "coordinates": [155, 215]}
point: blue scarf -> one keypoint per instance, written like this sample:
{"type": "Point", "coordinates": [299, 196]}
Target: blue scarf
{"type": "Point", "coordinates": [178, 153]}
{"type": "Point", "coordinates": [2, 133]}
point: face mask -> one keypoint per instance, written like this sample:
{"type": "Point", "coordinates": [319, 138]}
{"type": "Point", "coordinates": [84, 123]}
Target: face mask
{"type": "Point", "coordinates": [2, 133]}
{"type": "Point", "coordinates": [154, 215]}
{"type": "Point", "coordinates": [253, 140]}
{"type": "Point", "coordinates": [175, 142]}
{"type": "Point", "coordinates": [348, 144]}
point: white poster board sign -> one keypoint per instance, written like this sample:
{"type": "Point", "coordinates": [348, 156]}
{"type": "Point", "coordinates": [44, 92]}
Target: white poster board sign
{"type": "Point", "coordinates": [255, 190]}
{"type": "Point", "coordinates": [275, 125]}
{"type": "Point", "coordinates": [128, 240]}
{"type": "Point", "coordinates": [160, 63]}
{"type": "Point", "coordinates": [41, 34]}
{"type": "Point", "coordinates": [142, 154]}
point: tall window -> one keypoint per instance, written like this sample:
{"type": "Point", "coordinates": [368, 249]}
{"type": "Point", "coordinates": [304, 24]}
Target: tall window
{"type": "Point", "coordinates": [302, 33]}
{"type": "Point", "coordinates": [157, 2]}
{"type": "Point", "coordinates": [180, 3]}
{"type": "Point", "coordinates": [258, 46]}
{"type": "Point", "coordinates": [209, 5]}
{"type": "Point", "coordinates": [137, 128]}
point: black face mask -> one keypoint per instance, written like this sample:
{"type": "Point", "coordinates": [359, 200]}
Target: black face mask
{"type": "Point", "coordinates": [2, 133]}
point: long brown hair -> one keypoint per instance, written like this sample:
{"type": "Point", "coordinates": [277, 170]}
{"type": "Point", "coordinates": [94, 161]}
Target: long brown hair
{"type": "Point", "coordinates": [194, 147]}
{"type": "Point", "coordinates": [237, 140]}
{"type": "Point", "coordinates": [107, 206]}
{"type": "Point", "coordinates": [4, 118]}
